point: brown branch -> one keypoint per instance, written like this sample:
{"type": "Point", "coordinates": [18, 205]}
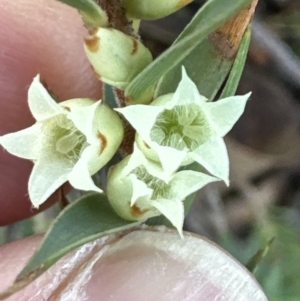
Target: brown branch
{"type": "Point", "coordinates": [117, 16]}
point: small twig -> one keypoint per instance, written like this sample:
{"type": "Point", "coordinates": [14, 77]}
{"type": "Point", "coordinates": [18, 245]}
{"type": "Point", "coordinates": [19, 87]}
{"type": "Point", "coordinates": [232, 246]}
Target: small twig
{"type": "Point", "coordinates": [117, 16]}
{"type": "Point", "coordinates": [118, 20]}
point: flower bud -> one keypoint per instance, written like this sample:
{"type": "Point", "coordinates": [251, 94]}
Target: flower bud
{"type": "Point", "coordinates": [116, 57]}
{"type": "Point", "coordinates": [120, 192]}
{"type": "Point", "coordinates": [154, 9]}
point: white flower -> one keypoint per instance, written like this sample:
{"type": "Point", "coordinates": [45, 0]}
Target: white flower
{"type": "Point", "coordinates": [139, 189]}
{"type": "Point", "coordinates": [70, 141]}
{"type": "Point", "coordinates": [182, 127]}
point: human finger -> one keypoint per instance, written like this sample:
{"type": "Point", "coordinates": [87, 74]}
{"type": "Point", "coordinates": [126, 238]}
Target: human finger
{"type": "Point", "coordinates": [142, 265]}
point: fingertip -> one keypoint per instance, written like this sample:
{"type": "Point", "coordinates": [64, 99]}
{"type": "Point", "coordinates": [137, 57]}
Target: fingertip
{"type": "Point", "coordinates": [152, 265]}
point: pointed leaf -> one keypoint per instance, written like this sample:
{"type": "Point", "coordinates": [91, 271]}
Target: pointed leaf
{"type": "Point", "coordinates": [210, 62]}
{"type": "Point", "coordinates": [211, 15]}
{"type": "Point", "coordinates": [238, 67]}
{"type": "Point", "coordinates": [91, 217]}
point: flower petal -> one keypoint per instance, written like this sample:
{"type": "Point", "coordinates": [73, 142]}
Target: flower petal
{"type": "Point", "coordinates": [173, 210]}
{"type": "Point", "coordinates": [24, 143]}
{"type": "Point", "coordinates": [80, 177]}
{"type": "Point", "coordinates": [139, 190]}
{"type": "Point", "coordinates": [142, 118]}
{"type": "Point", "coordinates": [224, 113]}
{"type": "Point", "coordinates": [48, 175]}
{"type": "Point", "coordinates": [213, 156]}
{"type": "Point", "coordinates": [169, 157]}
{"type": "Point", "coordinates": [41, 104]}
{"type": "Point", "coordinates": [101, 126]}
{"type": "Point", "coordinates": [186, 93]}
{"type": "Point", "coordinates": [154, 168]}
{"type": "Point", "coordinates": [186, 182]}
{"type": "Point", "coordinates": [83, 119]}
{"type": "Point", "coordinates": [136, 159]}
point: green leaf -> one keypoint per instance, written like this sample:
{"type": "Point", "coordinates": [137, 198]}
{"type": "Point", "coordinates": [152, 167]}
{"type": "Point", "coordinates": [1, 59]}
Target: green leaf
{"type": "Point", "coordinates": [207, 69]}
{"type": "Point", "coordinates": [238, 67]}
{"type": "Point", "coordinates": [254, 261]}
{"type": "Point", "coordinates": [206, 65]}
{"type": "Point", "coordinates": [83, 221]}
{"type": "Point", "coordinates": [213, 14]}
{"type": "Point", "coordinates": [91, 13]}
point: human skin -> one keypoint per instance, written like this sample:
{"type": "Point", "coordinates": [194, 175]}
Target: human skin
{"type": "Point", "coordinates": [45, 37]}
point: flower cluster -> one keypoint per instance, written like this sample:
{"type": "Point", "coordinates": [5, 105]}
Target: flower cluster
{"type": "Point", "coordinates": [174, 130]}
{"type": "Point", "coordinates": [74, 139]}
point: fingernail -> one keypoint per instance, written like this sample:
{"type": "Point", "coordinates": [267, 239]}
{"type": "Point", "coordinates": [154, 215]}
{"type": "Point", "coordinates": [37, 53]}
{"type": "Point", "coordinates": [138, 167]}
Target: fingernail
{"type": "Point", "coordinates": [157, 265]}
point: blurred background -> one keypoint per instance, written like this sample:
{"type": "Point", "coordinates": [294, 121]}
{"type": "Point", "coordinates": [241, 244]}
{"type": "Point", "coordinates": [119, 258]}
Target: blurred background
{"type": "Point", "coordinates": [263, 200]}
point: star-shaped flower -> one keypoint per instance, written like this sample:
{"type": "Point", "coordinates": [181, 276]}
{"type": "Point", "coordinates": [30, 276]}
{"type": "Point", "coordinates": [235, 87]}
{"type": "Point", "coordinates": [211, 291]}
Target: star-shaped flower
{"type": "Point", "coordinates": [70, 141]}
{"type": "Point", "coordinates": [182, 127]}
{"type": "Point", "coordinates": [139, 188]}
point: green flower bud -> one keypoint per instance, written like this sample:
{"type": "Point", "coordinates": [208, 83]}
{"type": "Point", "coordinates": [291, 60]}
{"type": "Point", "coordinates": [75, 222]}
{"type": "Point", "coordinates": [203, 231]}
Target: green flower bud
{"type": "Point", "coordinates": [116, 57]}
{"type": "Point", "coordinates": [138, 189]}
{"type": "Point", "coordinates": [154, 9]}
{"type": "Point", "coordinates": [70, 141]}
